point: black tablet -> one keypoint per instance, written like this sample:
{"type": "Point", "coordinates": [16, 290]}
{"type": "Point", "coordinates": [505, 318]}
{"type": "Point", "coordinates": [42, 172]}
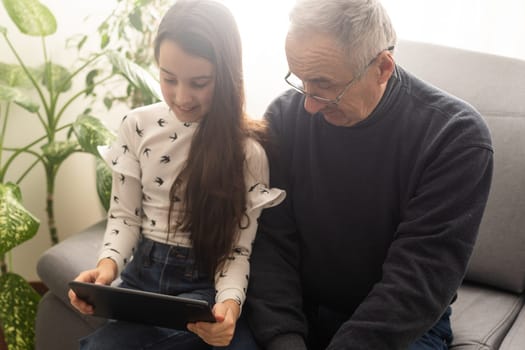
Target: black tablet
{"type": "Point", "coordinates": [142, 307]}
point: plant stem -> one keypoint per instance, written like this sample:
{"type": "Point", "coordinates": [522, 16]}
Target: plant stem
{"type": "Point", "coordinates": [28, 170]}
{"type": "Point", "coordinates": [42, 121]}
{"type": "Point", "coordinates": [18, 151]}
{"type": "Point", "coordinates": [2, 135]}
{"type": "Point", "coordinates": [81, 68]}
{"type": "Point", "coordinates": [77, 95]}
{"type": "Point", "coordinates": [51, 172]}
{"type": "Point", "coordinates": [58, 115]}
{"type": "Point", "coordinates": [50, 111]}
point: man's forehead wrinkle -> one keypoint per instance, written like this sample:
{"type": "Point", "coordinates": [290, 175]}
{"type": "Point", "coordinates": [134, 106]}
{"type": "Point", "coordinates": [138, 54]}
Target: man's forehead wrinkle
{"type": "Point", "coordinates": [314, 58]}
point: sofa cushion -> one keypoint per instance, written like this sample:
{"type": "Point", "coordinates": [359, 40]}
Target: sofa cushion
{"type": "Point", "coordinates": [63, 262]}
{"type": "Point", "coordinates": [481, 317]}
{"type": "Point", "coordinates": [494, 86]}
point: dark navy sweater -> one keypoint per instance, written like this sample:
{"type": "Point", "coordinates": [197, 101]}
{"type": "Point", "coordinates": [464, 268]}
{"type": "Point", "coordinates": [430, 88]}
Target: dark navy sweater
{"type": "Point", "coordinates": [380, 218]}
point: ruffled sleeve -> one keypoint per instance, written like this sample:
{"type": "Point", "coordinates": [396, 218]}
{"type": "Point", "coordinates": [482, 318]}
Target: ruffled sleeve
{"type": "Point", "coordinates": [257, 178]}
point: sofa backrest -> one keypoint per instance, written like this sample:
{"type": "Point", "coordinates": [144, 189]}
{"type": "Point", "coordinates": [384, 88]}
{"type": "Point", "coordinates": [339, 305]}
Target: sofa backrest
{"type": "Point", "coordinates": [495, 86]}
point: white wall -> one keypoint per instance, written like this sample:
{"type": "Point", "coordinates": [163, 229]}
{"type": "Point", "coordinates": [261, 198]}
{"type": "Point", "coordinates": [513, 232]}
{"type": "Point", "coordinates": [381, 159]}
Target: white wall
{"type": "Point", "coordinates": [494, 26]}
{"type": "Point", "coordinates": [483, 25]}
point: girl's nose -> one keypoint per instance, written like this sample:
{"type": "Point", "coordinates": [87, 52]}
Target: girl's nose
{"type": "Point", "coordinates": [182, 95]}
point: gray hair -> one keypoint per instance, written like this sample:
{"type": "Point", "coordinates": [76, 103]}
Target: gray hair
{"type": "Point", "coordinates": [361, 27]}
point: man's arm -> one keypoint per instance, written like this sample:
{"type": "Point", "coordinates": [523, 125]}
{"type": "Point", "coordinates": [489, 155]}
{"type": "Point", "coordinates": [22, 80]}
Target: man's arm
{"type": "Point", "coordinates": [428, 258]}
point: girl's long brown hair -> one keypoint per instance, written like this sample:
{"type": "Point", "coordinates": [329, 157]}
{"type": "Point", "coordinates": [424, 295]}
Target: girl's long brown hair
{"type": "Point", "coordinates": [211, 184]}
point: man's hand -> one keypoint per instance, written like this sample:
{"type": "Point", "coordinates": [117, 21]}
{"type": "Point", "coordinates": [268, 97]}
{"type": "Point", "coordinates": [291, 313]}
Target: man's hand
{"type": "Point", "coordinates": [221, 332]}
{"type": "Point", "coordinates": [104, 273]}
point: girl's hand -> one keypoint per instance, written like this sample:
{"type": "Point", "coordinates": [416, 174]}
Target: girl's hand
{"type": "Point", "coordinates": [221, 332]}
{"type": "Point", "coordinates": [104, 273]}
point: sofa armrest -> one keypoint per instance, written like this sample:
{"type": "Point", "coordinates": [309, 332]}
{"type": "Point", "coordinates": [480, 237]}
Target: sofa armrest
{"type": "Point", "coordinates": [64, 261]}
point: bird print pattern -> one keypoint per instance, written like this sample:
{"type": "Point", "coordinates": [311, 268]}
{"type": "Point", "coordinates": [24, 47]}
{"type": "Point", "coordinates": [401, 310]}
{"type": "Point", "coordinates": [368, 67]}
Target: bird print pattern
{"type": "Point", "coordinates": [150, 150]}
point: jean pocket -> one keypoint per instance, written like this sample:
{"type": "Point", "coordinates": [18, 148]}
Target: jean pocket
{"type": "Point", "coordinates": [138, 274]}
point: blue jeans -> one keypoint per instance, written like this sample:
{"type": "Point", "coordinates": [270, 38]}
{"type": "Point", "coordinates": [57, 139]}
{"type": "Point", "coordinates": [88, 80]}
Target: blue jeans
{"type": "Point", "coordinates": [166, 269]}
{"type": "Point", "coordinates": [438, 337]}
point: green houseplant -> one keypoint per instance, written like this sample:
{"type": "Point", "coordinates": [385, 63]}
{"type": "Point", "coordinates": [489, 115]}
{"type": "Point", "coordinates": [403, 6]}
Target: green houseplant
{"type": "Point", "coordinates": [52, 84]}
{"type": "Point", "coordinates": [130, 30]}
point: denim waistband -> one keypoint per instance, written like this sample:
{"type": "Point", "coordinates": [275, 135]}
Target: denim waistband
{"type": "Point", "coordinates": [164, 268]}
{"type": "Point", "coordinates": [165, 253]}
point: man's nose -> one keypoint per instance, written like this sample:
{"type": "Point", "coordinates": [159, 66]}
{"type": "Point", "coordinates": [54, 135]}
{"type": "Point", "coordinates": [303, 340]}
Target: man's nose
{"type": "Point", "coordinates": [312, 105]}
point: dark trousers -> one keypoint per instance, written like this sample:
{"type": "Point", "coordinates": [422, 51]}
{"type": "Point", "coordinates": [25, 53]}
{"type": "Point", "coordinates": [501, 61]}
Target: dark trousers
{"type": "Point", "coordinates": [438, 337]}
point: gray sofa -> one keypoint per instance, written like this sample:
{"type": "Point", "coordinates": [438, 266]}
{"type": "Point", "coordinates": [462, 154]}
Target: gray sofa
{"type": "Point", "coordinates": [489, 312]}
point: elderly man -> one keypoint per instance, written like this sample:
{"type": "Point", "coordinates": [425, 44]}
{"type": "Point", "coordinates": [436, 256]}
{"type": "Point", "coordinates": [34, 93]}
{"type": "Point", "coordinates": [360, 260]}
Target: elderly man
{"type": "Point", "coordinates": [387, 179]}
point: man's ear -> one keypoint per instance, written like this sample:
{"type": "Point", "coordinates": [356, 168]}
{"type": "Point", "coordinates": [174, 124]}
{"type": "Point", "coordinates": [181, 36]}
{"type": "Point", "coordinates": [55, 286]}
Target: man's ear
{"type": "Point", "coordinates": [385, 65]}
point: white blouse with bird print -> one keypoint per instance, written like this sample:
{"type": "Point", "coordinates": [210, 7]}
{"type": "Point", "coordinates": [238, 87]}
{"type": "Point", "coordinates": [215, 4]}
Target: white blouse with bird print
{"type": "Point", "coordinates": [150, 151]}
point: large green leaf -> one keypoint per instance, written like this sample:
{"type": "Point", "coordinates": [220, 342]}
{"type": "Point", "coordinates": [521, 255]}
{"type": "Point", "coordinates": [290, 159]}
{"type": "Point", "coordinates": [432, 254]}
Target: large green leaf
{"type": "Point", "coordinates": [91, 133]}
{"type": "Point", "coordinates": [135, 18]}
{"type": "Point", "coordinates": [56, 152]}
{"type": "Point", "coordinates": [90, 80]}
{"type": "Point", "coordinates": [14, 75]}
{"type": "Point", "coordinates": [11, 94]}
{"type": "Point", "coordinates": [18, 306]}
{"type": "Point", "coordinates": [60, 77]}
{"type": "Point", "coordinates": [17, 224]}
{"type": "Point", "coordinates": [104, 178]}
{"type": "Point", "coordinates": [135, 74]}
{"type": "Point", "coordinates": [31, 17]}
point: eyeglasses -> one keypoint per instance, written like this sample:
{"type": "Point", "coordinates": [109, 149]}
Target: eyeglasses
{"type": "Point", "coordinates": [296, 83]}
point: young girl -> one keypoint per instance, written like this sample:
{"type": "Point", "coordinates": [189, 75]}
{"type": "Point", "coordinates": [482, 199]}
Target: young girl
{"type": "Point", "coordinates": [190, 181]}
